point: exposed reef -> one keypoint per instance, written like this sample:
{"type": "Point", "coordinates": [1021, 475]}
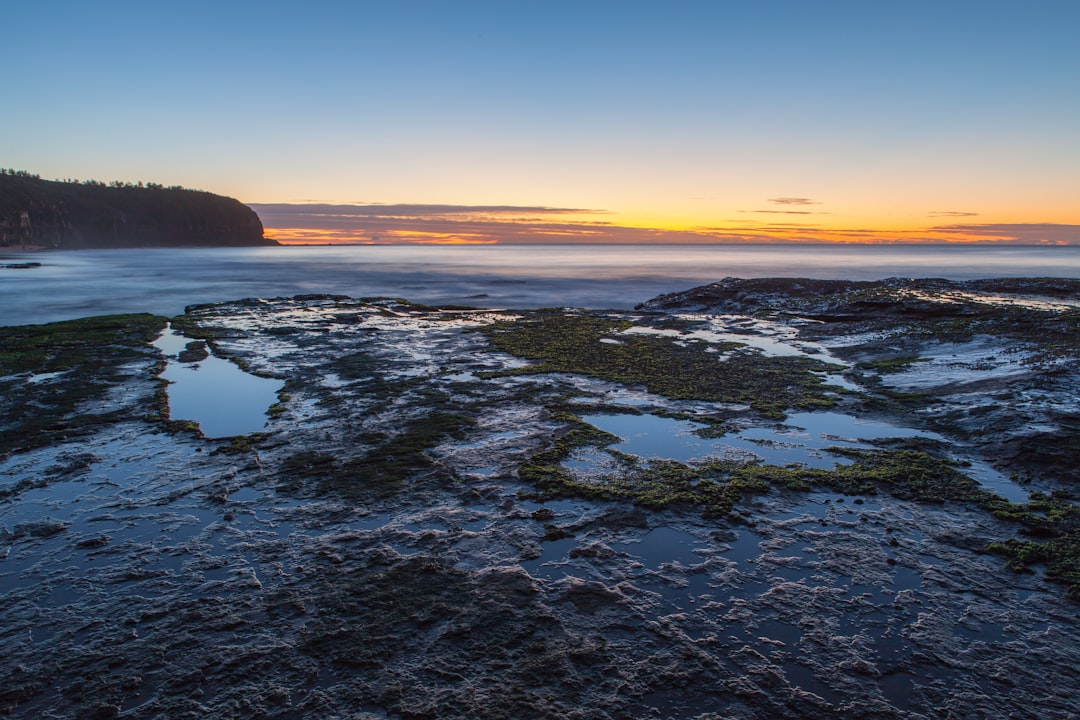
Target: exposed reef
{"type": "Point", "coordinates": [991, 362]}
{"type": "Point", "coordinates": [62, 380]}
{"type": "Point", "coordinates": [725, 504]}
{"type": "Point", "coordinates": [72, 216]}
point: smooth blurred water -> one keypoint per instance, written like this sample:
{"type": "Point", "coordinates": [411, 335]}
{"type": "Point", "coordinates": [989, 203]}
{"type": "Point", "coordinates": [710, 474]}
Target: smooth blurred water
{"type": "Point", "coordinates": [74, 284]}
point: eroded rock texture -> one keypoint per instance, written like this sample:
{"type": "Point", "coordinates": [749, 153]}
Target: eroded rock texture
{"type": "Point", "coordinates": [428, 527]}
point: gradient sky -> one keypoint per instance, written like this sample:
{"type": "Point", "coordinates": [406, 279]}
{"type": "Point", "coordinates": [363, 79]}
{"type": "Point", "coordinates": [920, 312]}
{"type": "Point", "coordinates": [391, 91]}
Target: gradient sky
{"type": "Point", "coordinates": [567, 121]}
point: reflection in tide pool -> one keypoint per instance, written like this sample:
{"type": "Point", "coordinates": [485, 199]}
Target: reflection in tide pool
{"type": "Point", "coordinates": [802, 439]}
{"type": "Point", "coordinates": [663, 545]}
{"type": "Point", "coordinates": [215, 393]}
{"type": "Point", "coordinates": [823, 429]}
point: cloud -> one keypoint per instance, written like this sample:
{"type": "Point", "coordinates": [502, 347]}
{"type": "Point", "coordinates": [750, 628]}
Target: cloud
{"type": "Point", "coordinates": [1015, 233]}
{"type": "Point", "coordinates": [785, 212]}
{"type": "Point", "coordinates": [793, 201]}
{"type": "Point", "coordinates": [421, 223]}
{"type": "Point", "coordinates": [425, 224]}
{"type": "Point", "coordinates": [408, 210]}
{"type": "Point", "coordinates": [487, 224]}
{"type": "Point", "coordinates": [951, 213]}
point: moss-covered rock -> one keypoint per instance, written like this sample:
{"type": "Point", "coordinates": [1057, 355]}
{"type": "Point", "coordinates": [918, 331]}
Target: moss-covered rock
{"type": "Point", "coordinates": [593, 344]}
{"type": "Point", "coordinates": [81, 361]}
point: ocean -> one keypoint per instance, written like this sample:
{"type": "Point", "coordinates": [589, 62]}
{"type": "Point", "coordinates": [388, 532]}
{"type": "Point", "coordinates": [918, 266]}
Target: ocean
{"type": "Point", "coordinates": [72, 284]}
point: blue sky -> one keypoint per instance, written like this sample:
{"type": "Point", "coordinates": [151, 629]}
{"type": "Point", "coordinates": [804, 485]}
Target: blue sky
{"type": "Point", "coordinates": [681, 115]}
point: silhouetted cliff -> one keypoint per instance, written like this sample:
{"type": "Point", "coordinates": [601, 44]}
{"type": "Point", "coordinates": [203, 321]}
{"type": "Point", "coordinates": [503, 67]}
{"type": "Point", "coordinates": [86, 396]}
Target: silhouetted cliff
{"type": "Point", "coordinates": [71, 215]}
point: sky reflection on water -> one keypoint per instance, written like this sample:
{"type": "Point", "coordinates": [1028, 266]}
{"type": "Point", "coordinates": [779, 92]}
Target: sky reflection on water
{"type": "Point", "coordinates": [803, 438]}
{"type": "Point", "coordinates": [215, 393]}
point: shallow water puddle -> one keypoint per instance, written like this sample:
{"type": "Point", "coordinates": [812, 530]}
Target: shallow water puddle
{"type": "Point", "coordinates": [802, 439]}
{"type": "Point", "coordinates": [841, 382]}
{"type": "Point", "coordinates": [663, 545]}
{"type": "Point", "coordinates": [824, 429]}
{"type": "Point", "coordinates": [770, 338]}
{"type": "Point", "coordinates": [45, 377]}
{"type": "Point", "coordinates": [996, 481]}
{"type": "Point", "coordinates": [667, 546]}
{"type": "Point", "coordinates": [551, 564]}
{"type": "Point", "coordinates": [770, 347]}
{"type": "Point", "coordinates": [953, 366]}
{"type": "Point", "coordinates": [223, 399]}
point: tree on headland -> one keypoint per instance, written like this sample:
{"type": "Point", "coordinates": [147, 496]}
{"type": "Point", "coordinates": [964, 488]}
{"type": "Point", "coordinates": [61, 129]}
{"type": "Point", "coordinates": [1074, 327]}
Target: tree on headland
{"type": "Point", "coordinates": [19, 173]}
{"type": "Point", "coordinates": [93, 183]}
{"type": "Point", "coordinates": [74, 213]}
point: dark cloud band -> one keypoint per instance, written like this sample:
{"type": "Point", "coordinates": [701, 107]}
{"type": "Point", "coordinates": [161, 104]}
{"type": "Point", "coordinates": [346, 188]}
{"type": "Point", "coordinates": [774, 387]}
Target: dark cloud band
{"type": "Point", "coordinates": [507, 224]}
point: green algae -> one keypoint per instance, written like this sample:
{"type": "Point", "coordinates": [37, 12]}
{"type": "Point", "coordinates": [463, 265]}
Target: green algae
{"type": "Point", "coordinates": [1052, 523]}
{"type": "Point", "coordinates": [241, 444]}
{"type": "Point", "coordinates": [356, 366]}
{"type": "Point", "coordinates": [192, 326]}
{"type": "Point", "coordinates": [281, 406]}
{"type": "Point", "coordinates": [716, 487]}
{"type": "Point", "coordinates": [397, 459]}
{"type": "Point", "coordinates": [593, 345]}
{"type": "Point", "coordinates": [892, 365]}
{"type": "Point", "coordinates": [383, 470]}
{"type": "Point", "coordinates": [89, 343]}
{"type": "Point", "coordinates": [194, 351]}
{"type": "Point", "coordinates": [88, 357]}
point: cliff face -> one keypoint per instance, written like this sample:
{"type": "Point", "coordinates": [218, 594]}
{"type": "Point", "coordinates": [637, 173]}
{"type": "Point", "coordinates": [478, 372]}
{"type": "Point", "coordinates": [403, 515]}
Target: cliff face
{"type": "Point", "coordinates": [72, 216]}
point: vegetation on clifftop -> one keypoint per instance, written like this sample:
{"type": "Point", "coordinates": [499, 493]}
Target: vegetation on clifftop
{"type": "Point", "coordinates": [92, 214]}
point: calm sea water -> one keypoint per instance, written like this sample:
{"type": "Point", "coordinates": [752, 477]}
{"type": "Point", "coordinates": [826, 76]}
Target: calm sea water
{"type": "Point", "coordinates": [91, 282]}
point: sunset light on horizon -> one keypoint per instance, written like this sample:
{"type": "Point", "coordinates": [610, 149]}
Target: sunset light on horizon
{"type": "Point", "coordinates": [595, 122]}
{"type": "Point", "coordinates": [591, 359]}
{"type": "Point", "coordinates": [299, 224]}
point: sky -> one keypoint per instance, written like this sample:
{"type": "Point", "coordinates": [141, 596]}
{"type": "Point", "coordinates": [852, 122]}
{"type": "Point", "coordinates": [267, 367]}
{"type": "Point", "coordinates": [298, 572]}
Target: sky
{"type": "Point", "coordinates": [584, 121]}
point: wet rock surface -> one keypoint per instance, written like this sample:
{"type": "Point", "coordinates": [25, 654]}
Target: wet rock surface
{"type": "Point", "coordinates": [989, 361]}
{"type": "Point", "coordinates": [427, 528]}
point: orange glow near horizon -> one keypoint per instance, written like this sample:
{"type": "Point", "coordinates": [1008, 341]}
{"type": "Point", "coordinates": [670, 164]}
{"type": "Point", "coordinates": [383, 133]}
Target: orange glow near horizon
{"type": "Point", "coordinates": [469, 229]}
{"type": "Point", "coordinates": [748, 216]}
{"type": "Point", "coordinates": [319, 236]}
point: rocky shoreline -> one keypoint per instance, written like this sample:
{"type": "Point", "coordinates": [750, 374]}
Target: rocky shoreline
{"type": "Point", "coordinates": [876, 516]}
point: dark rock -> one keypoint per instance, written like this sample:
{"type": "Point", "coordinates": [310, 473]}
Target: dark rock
{"type": "Point", "coordinates": [39, 528]}
{"type": "Point", "coordinates": [194, 352]}
{"type": "Point", "coordinates": [588, 596]}
{"type": "Point", "coordinates": [105, 712]}
{"type": "Point", "coordinates": [511, 583]}
{"type": "Point", "coordinates": [625, 517]}
{"type": "Point", "coordinates": [93, 543]}
{"type": "Point", "coordinates": [70, 215]}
